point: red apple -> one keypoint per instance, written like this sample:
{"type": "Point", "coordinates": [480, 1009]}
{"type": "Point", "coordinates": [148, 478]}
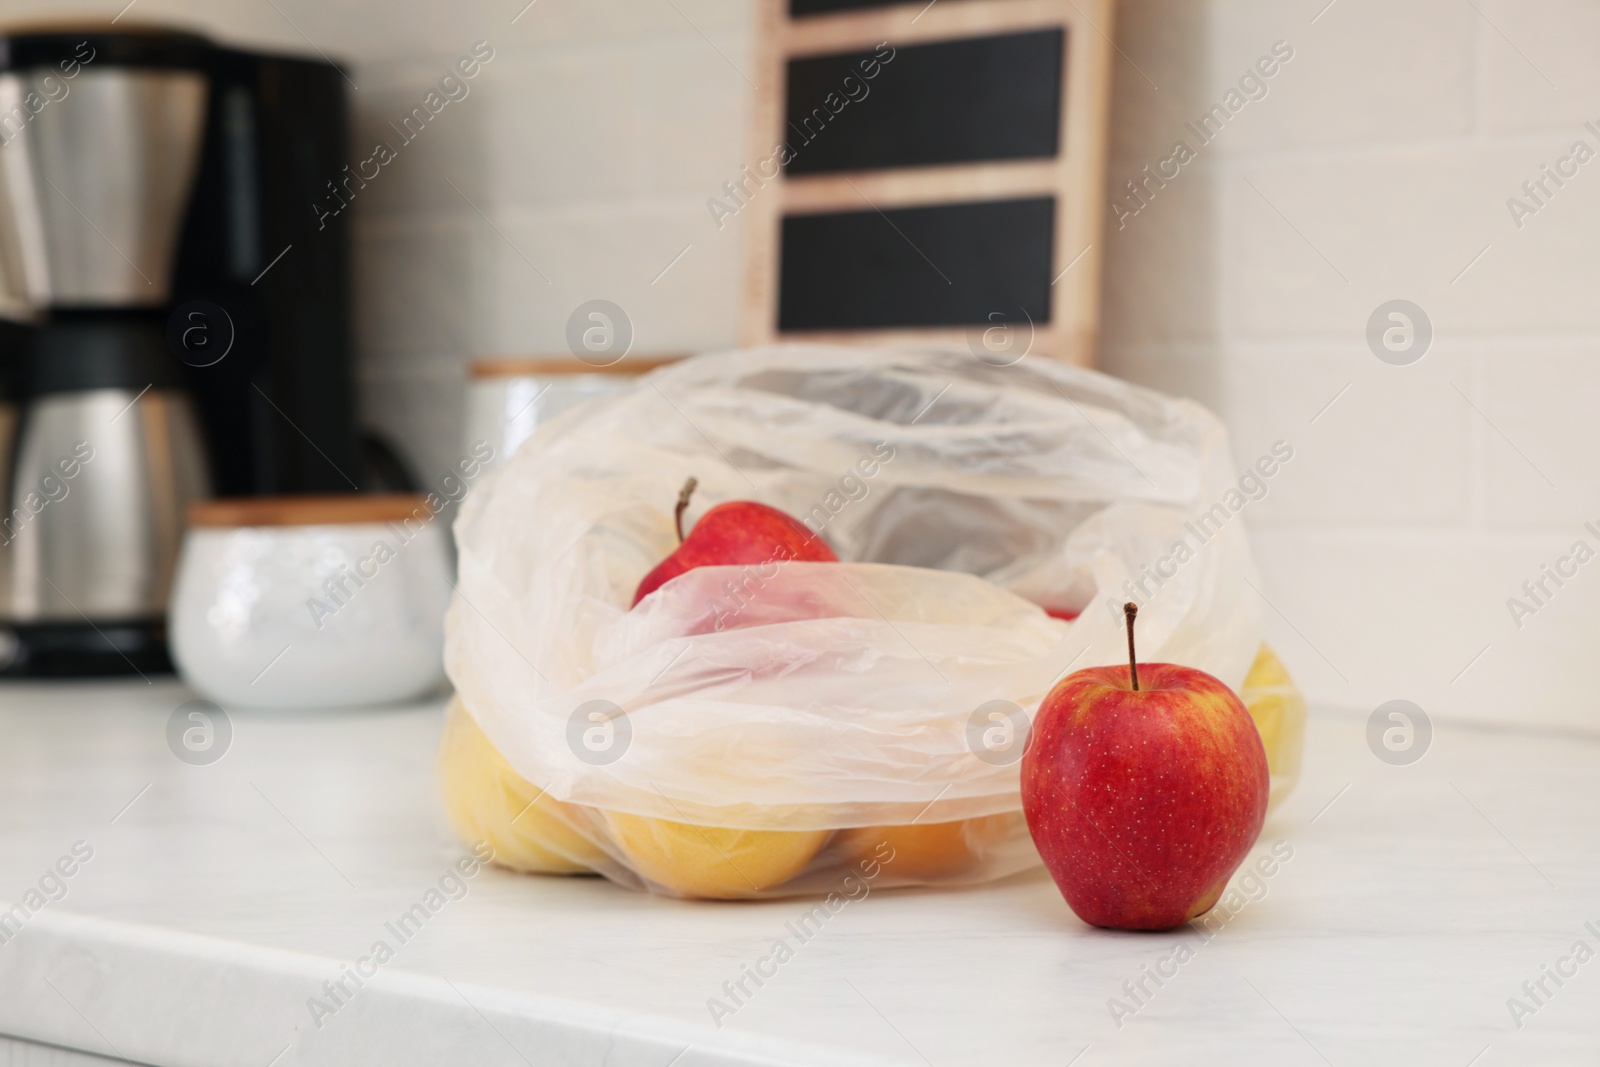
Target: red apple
{"type": "Point", "coordinates": [738, 532]}
{"type": "Point", "coordinates": [1144, 790]}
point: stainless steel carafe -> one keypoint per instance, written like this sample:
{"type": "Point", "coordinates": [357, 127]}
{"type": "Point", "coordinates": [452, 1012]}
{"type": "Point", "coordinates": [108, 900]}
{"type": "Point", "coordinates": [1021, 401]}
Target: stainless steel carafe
{"type": "Point", "coordinates": [99, 141]}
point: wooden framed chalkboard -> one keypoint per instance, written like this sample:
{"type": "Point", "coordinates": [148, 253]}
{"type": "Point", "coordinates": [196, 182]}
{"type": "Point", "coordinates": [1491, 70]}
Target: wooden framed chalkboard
{"type": "Point", "coordinates": [925, 172]}
{"type": "Point", "coordinates": [994, 254]}
{"type": "Point", "coordinates": [972, 100]}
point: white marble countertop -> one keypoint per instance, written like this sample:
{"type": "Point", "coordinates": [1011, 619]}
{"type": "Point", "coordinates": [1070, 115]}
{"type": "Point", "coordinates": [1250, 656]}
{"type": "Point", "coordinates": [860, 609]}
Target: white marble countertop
{"type": "Point", "coordinates": [218, 899]}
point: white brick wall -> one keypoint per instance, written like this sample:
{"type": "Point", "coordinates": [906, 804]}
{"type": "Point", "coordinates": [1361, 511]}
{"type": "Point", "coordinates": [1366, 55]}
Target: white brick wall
{"type": "Point", "coordinates": [1380, 160]}
{"type": "Point", "coordinates": [587, 150]}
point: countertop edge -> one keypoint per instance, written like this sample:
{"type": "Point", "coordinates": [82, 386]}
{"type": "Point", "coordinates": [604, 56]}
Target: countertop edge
{"type": "Point", "coordinates": [175, 999]}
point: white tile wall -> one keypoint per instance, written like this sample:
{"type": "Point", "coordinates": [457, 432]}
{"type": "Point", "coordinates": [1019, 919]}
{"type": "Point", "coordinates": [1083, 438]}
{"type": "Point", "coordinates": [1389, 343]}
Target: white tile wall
{"type": "Point", "coordinates": [1367, 71]}
{"type": "Point", "coordinates": [1538, 64]}
{"type": "Point", "coordinates": [1550, 480]}
{"type": "Point", "coordinates": [1378, 166]}
{"type": "Point", "coordinates": [1392, 450]}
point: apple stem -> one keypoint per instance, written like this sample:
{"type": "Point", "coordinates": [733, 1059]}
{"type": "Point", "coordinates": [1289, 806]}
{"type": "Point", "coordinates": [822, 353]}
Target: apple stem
{"type": "Point", "coordinates": [1130, 611]}
{"type": "Point", "coordinates": [683, 505]}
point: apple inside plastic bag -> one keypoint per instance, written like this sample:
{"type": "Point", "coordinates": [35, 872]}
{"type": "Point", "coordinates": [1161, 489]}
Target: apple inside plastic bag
{"type": "Point", "coordinates": [819, 696]}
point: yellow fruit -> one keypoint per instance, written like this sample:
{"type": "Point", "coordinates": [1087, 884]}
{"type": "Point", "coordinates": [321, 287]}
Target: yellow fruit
{"type": "Point", "coordinates": [1279, 711]}
{"type": "Point", "coordinates": [923, 852]}
{"type": "Point", "coordinates": [486, 800]}
{"type": "Point", "coordinates": [711, 861]}
{"type": "Point", "coordinates": [1267, 670]}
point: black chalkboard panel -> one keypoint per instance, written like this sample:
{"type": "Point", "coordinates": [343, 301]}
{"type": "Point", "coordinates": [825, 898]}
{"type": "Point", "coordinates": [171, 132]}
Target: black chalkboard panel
{"type": "Point", "coordinates": [945, 265]}
{"type": "Point", "coordinates": [961, 101]}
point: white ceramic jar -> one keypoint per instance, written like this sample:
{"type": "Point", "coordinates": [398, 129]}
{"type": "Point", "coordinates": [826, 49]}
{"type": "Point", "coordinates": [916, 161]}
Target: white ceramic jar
{"type": "Point", "coordinates": [509, 398]}
{"type": "Point", "coordinates": [311, 602]}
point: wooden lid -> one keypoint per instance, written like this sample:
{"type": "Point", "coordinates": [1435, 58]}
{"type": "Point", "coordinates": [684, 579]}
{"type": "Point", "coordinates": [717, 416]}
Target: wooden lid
{"type": "Point", "coordinates": [546, 366]}
{"type": "Point", "coordinates": [326, 510]}
{"type": "Point", "coordinates": [88, 24]}
{"type": "Point", "coordinates": [134, 26]}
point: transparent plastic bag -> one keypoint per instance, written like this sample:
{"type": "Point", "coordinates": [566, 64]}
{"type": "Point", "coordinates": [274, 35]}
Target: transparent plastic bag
{"type": "Point", "coordinates": [763, 730]}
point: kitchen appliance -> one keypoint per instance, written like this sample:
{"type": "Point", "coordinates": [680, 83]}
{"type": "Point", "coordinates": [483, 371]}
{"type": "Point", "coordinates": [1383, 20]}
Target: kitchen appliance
{"type": "Point", "coordinates": [262, 272]}
{"type": "Point", "coordinates": [191, 324]}
{"type": "Point", "coordinates": [101, 142]}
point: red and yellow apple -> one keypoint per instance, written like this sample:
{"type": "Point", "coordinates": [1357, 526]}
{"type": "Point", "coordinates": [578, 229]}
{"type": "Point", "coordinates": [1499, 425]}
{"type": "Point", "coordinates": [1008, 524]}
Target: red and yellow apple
{"type": "Point", "coordinates": [1144, 788]}
{"type": "Point", "coordinates": [738, 532]}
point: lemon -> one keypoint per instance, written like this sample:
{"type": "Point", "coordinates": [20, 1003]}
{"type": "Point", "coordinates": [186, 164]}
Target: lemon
{"type": "Point", "coordinates": [1267, 670]}
{"type": "Point", "coordinates": [711, 861]}
{"type": "Point", "coordinates": [1279, 711]}
{"type": "Point", "coordinates": [486, 800]}
{"type": "Point", "coordinates": [923, 852]}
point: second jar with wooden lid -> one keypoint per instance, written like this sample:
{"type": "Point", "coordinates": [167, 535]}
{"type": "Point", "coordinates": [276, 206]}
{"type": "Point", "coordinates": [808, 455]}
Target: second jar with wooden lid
{"type": "Point", "coordinates": [509, 398]}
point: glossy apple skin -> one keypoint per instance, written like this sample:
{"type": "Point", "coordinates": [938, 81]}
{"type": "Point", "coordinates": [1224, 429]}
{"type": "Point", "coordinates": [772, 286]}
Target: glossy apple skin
{"type": "Point", "coordinates": [1143, 804]}
{"type": "Point", "coordinates": [739, 532]}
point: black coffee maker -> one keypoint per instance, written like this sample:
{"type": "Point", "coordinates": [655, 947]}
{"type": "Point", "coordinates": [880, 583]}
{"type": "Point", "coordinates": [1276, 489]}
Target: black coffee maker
{"type": "Point", "coordinates": [262, 279]}
{"type": "Point", "coordinates": [186, 315]}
